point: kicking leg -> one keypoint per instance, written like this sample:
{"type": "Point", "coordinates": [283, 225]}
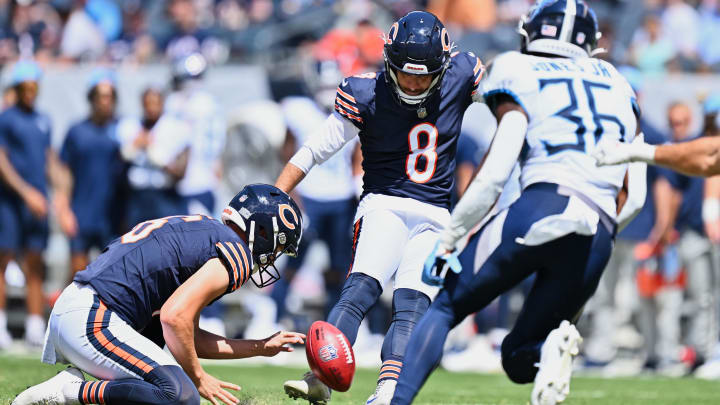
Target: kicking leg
{"type": "Point", "coordinates": [379, 238]}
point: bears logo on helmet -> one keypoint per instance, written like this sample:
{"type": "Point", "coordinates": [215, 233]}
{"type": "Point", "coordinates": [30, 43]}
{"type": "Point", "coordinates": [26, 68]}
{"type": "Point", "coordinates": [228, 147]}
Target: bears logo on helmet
{"type": "Point", "coordinates": [272, 222]}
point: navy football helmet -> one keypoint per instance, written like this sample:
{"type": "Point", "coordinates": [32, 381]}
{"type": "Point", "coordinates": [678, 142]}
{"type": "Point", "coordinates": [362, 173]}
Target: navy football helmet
{"type": "Point", "coordinates": [272, 222]}
{"type": "Point", "coordinates": [567, 28]}
{"type": "Point", "coordinates": [417, 44]}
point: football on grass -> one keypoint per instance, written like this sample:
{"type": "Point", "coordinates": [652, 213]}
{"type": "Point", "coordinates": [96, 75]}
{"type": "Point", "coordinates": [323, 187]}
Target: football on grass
{"type": "Point", "coordinates": [330, 355]}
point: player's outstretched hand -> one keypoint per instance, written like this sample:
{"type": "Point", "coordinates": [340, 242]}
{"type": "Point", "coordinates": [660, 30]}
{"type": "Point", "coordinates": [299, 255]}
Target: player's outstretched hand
{"type": "Point", "coordinates": [215, 390]}
{"type": "Point", "coordinates": [276, 343]}
{"type": "Point", "coordinates": [614, 152]}
{"type": "Point", "coordinates": [437, 265]}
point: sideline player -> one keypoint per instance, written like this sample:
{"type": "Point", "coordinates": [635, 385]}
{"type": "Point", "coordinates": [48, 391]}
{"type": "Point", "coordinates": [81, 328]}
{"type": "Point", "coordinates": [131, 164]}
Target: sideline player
{"type": "Point", "coordinates": [408, 120]}
{"type": "Point", "coordinates": [553, 103]}
{"type": "Point", "coordinates": [90, 152]}
{"type": "Point", "coordinates": [27, 161]}
{"type": "Point", "coordinates": [173, 266]}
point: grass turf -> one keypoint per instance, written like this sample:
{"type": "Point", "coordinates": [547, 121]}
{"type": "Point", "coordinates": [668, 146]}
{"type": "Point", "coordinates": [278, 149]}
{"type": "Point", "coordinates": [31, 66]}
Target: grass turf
{"type": "Point", "coordinates": [262, 385]}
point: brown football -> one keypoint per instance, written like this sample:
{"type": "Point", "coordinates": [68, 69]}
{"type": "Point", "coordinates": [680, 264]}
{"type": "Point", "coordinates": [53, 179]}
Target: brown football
{"type": "Point", "coordinates": [330, 355]}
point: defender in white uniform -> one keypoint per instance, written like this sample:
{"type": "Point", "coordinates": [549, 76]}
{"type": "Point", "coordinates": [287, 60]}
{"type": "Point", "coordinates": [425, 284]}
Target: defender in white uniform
{"type": "Point", "coordinates": [553, 102]}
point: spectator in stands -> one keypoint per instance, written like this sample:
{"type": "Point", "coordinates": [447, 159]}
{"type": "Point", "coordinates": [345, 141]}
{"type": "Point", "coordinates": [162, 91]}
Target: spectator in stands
{"type": "Point", "coordinates": [650, 50]}
{"type": "Point", "coordinates": [32, 29]}
{"type": "Point", "coordinates": [82, 37]}
{"type": "Point", "coordinates": [26, 158]}
{"type": "Point", "coordinates": [91, 152]}
{"type": "Point", "coordinates": [157, 148]}
{"type": "Point", "coordinates": [708, 50]}
{"type": "Point", "coordinates": [681, 25]}
{"type": "Point", "coordinates": [188, 37]}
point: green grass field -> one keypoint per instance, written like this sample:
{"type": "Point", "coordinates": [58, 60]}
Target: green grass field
{"type": "Point", "coordinates": [262, 385]}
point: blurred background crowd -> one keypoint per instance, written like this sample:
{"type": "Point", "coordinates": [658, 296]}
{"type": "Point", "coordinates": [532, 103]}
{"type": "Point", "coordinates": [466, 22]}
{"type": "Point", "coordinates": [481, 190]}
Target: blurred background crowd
{"type": "Point", "coordinates": [117, 112]}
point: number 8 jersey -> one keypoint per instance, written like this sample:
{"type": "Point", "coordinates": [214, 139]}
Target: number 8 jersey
{"type": "Point", "coordinates": [571, 104]}
{"type": "Point", "coordinates": [406, 153]}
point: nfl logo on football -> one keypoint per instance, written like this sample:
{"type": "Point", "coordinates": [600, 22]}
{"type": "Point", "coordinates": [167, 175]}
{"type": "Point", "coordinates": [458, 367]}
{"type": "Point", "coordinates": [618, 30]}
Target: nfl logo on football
{"type": "Point", "coordinates": [327, 353]}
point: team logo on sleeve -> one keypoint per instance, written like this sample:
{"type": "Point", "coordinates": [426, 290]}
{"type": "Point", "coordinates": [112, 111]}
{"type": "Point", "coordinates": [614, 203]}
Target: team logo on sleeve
{"type": "Point", "coordinates": [284, 208]}
{"type": "Point", "coordinates": [327, 353]}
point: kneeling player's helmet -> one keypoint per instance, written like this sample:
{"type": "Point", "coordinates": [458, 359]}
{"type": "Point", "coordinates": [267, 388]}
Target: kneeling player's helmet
{"type": "Point", "coordinates": [567, 28]}
{"type": "Point", "coordinates": [416, 44]}
{"type": "Point", "coordinates": [273, 224]}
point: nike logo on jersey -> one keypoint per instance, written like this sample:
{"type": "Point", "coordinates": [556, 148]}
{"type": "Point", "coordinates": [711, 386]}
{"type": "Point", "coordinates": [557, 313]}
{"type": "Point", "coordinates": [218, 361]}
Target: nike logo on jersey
{"type": "Point", "coordinates": [344, 82]}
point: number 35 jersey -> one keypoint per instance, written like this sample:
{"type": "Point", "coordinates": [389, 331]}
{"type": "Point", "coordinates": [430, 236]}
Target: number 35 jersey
{"type": "Point", "coordinates": [139, 271]}
{"type": "Point", "coordinates": [571, 105]}
{"type": "Point", "coordinates": [405, 155]}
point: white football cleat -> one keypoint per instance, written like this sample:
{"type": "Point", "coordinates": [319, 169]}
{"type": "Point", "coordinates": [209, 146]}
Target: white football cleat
{"type": "Point", "coordinates": [310, 388]}
{"type": "Point", "coordinates": [5, 339]}
{"type": "Point", "coordinates": [383, 393]}
{"type": "Point", "coordinates": [50, 392]}
{"type": "Point", "coordinates": [552, 382]}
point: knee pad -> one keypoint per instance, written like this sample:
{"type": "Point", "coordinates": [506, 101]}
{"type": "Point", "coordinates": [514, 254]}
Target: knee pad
{"type": "Point", "coordinates": [174, 383]}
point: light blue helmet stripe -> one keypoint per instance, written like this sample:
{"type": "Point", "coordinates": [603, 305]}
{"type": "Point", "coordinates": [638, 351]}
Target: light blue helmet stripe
{"type": "Point", "coordinates": [568, 21]}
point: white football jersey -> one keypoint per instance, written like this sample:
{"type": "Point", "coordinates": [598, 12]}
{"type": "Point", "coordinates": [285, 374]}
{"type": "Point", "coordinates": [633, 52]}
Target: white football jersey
{"type": "Point", "coordinates": [571, 105]}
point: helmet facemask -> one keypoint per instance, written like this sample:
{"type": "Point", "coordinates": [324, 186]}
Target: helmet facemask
{"type": "Point", "coordinates": [264, 272]}
{"type": "Point", "coordinates": [416, 52]}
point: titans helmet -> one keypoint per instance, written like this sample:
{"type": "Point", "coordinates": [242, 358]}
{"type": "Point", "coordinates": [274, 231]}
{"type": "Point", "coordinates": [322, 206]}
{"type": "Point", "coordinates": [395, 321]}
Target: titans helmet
{"type": "Point", "coordinates": [416, 44]}
{"type": "Point", "coordinates": [273, 224]}
{"type": "Point", "coordinates": [567, 28]}
{"type": "Point", "coordinates": [188, 67]}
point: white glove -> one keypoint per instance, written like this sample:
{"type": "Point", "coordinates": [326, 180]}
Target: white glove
{"type": "Point", "coordinates": [615, 152]}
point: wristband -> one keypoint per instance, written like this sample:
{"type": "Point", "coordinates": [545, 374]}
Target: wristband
{"type": "Point", "coordinates": [711, 209]}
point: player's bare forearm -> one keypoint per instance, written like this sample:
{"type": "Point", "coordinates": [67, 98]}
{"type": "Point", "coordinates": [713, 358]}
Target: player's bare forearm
{"type": "Point", "coordinates": [59, 175]}
{"type": "Point", "coordinates": [290, 177]}
{"type": "Point", "coordinates": [211, 346]}
{"type": "Point", "coordinates": [10, 176]}
{"type": "Point", "coordinates": [179, 333]}
{"type": "Point", "coordinates": [700, 157]}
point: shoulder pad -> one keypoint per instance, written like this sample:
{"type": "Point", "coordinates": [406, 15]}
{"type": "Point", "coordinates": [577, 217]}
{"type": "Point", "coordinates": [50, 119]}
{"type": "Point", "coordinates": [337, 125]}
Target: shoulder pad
{"type": "Point", "coordinates": [237, 261]}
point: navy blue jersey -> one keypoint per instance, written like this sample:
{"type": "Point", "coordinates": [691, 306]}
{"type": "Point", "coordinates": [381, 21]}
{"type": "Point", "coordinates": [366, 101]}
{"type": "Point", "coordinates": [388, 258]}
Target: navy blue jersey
{"type": "Point", "coordinates": [404, 155]}
{"type": "Point", "coordinates": [25, 135]}
{"type": "Point", "coordinates": [689, 214]}
{"type": "Point", "coordinates": [92, 154]}
{"type": "Point", "coordinates": [139, 271]}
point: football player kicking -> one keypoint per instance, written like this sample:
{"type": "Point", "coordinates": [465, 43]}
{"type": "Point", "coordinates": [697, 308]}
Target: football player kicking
{"type": "Point", "coordinates": [407, 118]}
{"type": "Point", "coordinates": [104, 323]}
{"type": "Point", "coordinates": [699, 157]}
{"type": "Point", "coordinates": [553, 103]}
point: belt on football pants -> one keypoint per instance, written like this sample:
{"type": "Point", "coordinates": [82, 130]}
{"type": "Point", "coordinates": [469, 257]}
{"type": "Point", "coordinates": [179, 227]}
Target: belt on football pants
{"type": "Point", "coordinates": [605, 219]}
